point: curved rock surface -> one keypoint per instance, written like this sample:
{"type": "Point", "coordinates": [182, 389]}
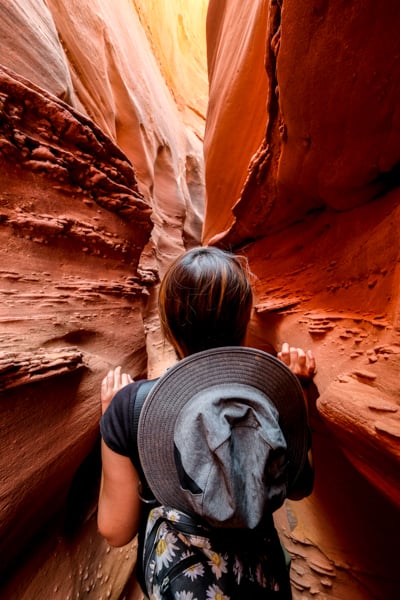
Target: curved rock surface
{"type": "Point", "coordinates": [102, 114]}
{"type": "Point", "coordinates": [329, 137]}
{"type": "Point", "coordinates": [101, 184]}
{"type": "Point", "coordinates": [315, 207]}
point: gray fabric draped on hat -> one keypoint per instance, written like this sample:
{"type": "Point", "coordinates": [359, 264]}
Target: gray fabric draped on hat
{"type": "Point", "coordinates": [222, 434]}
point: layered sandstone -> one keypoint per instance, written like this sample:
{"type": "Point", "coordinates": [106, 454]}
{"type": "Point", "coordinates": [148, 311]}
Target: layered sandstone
{"type": "Point", "coordinates": [315, 207]}
{"type": "Point", "coordinates": [101, 184]}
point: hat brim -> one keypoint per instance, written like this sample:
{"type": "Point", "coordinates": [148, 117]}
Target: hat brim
{"type": "Point", "coordinates": [198, 372]}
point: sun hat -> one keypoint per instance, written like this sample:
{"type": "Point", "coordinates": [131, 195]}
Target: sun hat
{"type": "Point", "coordinates": [223, 434]}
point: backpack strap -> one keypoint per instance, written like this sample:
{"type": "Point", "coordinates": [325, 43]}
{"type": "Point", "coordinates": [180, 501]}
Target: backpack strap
{"type": "Point", "coordinates": [146, 495]}
{"type": "Point", "coordinates": [141, 395]}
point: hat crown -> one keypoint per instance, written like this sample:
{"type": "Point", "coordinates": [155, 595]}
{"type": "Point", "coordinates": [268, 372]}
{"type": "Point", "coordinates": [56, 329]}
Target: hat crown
{"type": "Point", "coordinates": [229, 443]}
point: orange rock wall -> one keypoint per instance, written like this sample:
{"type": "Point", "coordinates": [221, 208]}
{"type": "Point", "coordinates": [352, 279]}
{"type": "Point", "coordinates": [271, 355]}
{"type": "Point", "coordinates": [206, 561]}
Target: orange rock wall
{"type": "Point", "coordinates": [101, 184]}
{"type": "Point", "coordinates": [329, 135]}
{"type": "Point", "coordinates": [315, 207]}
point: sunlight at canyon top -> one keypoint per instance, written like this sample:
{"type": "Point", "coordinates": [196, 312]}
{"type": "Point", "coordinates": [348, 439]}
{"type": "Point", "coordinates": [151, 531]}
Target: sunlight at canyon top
{"type": "Point", "coordinates": [177, 34]}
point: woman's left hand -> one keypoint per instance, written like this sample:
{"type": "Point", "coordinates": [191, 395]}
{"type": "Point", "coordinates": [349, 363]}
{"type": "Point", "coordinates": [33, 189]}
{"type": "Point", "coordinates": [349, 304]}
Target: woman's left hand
{"type": "Point", "coordinates": [111, 384]}
{"type": "Point", "coordinates": [299, 362]}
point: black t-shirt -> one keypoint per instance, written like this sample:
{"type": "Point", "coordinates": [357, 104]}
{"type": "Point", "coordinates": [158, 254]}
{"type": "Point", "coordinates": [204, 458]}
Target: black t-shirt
{"type": "Point", "coordinates": [116, 425]}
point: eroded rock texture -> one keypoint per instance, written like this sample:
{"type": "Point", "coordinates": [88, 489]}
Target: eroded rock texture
{"type": "Point", "coordinates": [102, 113]}
{"type": "Point", "coordinates": [317, 213]}
{"type": "Point", "coordinates": [73, 225]}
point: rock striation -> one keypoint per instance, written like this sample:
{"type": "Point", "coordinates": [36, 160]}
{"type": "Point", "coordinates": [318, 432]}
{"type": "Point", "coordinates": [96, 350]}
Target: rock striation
{"type": "Point", "coordinates": [315, 208]}
{"type": "Point", "coordinates": [101, 184]}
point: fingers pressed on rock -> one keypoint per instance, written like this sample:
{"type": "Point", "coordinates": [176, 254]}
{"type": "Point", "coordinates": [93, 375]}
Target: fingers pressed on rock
{"type": "Point", "coordinates": [126, 378]}
{"type": "Point", "coordinates": [293, 355]}
{"type": "Point", "coordinates": [302, 359]}
{"type": "Point", "coordinates": [311, 362]}
{"type": "Point", "coordinates": [284, 354]}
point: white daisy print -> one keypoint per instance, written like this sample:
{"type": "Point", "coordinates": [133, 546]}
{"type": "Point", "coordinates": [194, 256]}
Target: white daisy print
{"type": "Point", "coordinates": [154, 514]}
{"type": "Point", "coordinates": [151, 568]}
{"type": "Point", "coordinates": [217, 563]}
{"type": "Point", "coordinates": [181, 536]}
{"type": "Point", "coordinates": [194, 571]}
{"type": "Point", "coordinates": [173, 516]}
{"type": "Point", "coordinates": [155, 593]}
{"type": "Point", "coordinates": [214, 593]}
{"type": "Point", "coordinates": [165, 550]}
{"type": "Point", "coordinates": [199, 541]}
{"type": "Point", "coordinates": [185, 596]}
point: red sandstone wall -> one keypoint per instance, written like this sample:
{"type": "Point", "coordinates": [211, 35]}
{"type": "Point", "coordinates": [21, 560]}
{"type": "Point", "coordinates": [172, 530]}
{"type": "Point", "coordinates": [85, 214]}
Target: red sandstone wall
{"type": "Point", "coordinates": [329, 135]}
{"type": "Point", "coordinates": [315, 207]}
{"type": "Point", "coordinates": [101, 184]}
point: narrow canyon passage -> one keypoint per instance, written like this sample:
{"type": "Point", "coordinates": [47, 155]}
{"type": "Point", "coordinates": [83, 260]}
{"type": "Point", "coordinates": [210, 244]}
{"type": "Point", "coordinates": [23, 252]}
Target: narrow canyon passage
{"type": "Point", "coordinates": [132, 131]}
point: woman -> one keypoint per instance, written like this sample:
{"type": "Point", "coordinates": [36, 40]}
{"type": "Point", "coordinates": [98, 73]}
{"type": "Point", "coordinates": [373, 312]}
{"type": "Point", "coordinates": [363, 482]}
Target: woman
{"type": "Point", "coordinates": [205, 303]}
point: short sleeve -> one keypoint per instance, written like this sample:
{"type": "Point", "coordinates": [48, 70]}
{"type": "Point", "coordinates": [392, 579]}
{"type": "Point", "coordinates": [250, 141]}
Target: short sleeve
{"type": "Point", "coordinates": [116, 423]}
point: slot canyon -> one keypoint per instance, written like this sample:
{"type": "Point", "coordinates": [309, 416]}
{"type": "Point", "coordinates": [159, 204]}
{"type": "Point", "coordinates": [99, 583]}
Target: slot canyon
{"type": "Point", "coordinates": [135, 129]}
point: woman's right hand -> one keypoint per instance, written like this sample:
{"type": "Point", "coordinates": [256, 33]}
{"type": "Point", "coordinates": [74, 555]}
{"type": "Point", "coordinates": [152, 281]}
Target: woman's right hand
{"type": "Point", "coordinates": [299, 362]}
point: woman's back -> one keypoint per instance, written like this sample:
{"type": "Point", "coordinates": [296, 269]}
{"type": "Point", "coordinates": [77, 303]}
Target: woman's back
{"type": "Point", "coordinates": [222, 440]}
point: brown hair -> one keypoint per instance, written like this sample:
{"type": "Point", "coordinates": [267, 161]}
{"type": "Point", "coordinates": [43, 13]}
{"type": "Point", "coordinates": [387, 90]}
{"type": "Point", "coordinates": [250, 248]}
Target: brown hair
{"type": "Point", "coordinates": [205, 300]}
